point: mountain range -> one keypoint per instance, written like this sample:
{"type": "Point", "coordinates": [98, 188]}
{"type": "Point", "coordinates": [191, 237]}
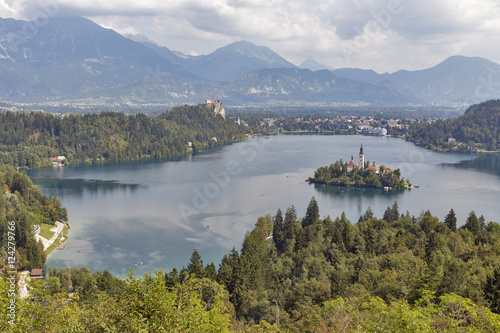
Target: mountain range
{"type": "Point", "coordinates": [73, 60]}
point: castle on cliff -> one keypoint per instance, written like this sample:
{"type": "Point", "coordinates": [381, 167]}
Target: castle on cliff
{"type": "Point", "coordinates": [217, 107]}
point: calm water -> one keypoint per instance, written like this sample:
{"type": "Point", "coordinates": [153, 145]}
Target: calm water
{"type": "Point", "coordinates": [151, 214]}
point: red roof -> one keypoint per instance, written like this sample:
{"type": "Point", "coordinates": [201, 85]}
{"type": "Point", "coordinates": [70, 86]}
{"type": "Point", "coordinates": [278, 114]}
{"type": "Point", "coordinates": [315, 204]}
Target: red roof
{"type": "Point", "coordinates": [351, 163]}
{"type": "Point", "coordinates": [373, 168]}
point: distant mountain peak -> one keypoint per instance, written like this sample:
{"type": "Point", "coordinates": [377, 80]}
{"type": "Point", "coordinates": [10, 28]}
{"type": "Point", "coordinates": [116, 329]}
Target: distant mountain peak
{"type": "Point", "coordinates": [459, 59]}
{"type": "Point", "coordinates": [234, 60]}
{"type": "Point", "coordinates": [250, 50]}
{"type": "Point", "coordinates": [140, 38]}
{"type": "Point", "coordinates": [313, 65]}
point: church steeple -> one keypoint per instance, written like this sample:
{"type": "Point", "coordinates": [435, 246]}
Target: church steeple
{"type": "Point", "coordinates": [361, 162]}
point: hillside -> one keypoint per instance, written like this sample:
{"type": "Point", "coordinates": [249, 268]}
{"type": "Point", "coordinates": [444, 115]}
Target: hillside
{"type": "Point", "coordinates": [399, 273]}
{"type": "Point", "coordinates": [299, 86]}
{"type": "Point", "coordinates": [456, 79]}
{"type": "Point", "coordinates": [30, 139]}
{"type": "Point", "coordinates": [23, 205]}
{"type": "Point", "coordinates": [477, 129]}
{"type": "Point", "coordinates": [72, 57]}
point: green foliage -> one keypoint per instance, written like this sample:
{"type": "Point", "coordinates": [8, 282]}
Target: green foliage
{"type": "Point", "coordinates": [30, 139]}
{"type": "Point", "coordinates": [478, 128]}
{"type": "Point", "coordinates": [398, 274]}
{"type": "Point", "coordinates": [339, 174]}
{"type": "Point", "coordinates": [378, 274]}
{"type": "Point", "coordinates": [145, 305]}
{"type": "Point", "coordinates": [278, 233]}
{"type": "Point", "coordinates": [492, 290]}
{"type": "Point", "coordinates": [451, 220]}
{"type": "Point", "coordinates": [446, 313]}
{"type": "Point", "coordinates": [472, 224]}
{"type": "Point", "coordinates": [21, 206]}
{"type": "Point", "coordinates": [195, 266]}
{"type": "Point", "coordinates": [312, 213]}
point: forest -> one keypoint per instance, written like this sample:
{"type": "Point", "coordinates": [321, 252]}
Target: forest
{"type": "Point", "coordinates": [23, 205]}
{"type": "Point", "coordinates": [337, 174]}
{"type": "Point", "coordinates": [31, 139]}
{"type": "Point", "coordinates": [398, 273]}
{"type": "Point", "coordinates": [477, 129]}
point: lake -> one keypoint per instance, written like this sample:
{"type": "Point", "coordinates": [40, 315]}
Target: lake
{"type": "Point", "coordinates": [151, 214]}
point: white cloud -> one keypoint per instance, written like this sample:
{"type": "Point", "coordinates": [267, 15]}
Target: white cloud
{"type": "Point", "coordinates": [382, 34]}
{"type": "Point", "coordinates": [9, 9]}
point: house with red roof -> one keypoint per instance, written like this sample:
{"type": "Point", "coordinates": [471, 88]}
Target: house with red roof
{"type": "Point", "coordinates": [374, 169]}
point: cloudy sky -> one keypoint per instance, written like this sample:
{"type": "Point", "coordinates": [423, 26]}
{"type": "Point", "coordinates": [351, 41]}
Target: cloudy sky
{"type": "Point", "coordinates": [385, 35]}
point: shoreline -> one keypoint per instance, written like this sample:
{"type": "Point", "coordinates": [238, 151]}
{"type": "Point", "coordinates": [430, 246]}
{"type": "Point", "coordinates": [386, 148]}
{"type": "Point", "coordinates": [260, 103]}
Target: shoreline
{"type": "Point", "coordinates": [50, 244]}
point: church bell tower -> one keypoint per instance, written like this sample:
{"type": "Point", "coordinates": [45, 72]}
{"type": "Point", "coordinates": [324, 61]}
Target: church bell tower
{"type": "Point", "coordinates": [361, 163]}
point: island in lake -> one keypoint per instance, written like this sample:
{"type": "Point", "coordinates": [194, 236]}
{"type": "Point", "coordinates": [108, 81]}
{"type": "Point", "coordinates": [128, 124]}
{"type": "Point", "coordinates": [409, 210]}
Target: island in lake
{"type": "Point", "coordinates": [360, 175]}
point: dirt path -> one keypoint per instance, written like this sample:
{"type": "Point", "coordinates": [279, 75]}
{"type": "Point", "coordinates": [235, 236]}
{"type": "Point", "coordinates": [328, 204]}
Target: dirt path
{"type": "Point", "coordinates": [23, 286]}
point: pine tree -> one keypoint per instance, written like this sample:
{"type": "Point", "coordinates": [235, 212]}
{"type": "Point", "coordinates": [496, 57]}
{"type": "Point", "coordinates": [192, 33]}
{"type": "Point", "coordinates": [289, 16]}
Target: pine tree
{"type": "Point", "coordinates": [492, 290]}
{"type": "Point", "coordinates": [172, 278]}
{"type": "Point", "coordinates": [472, 224]}
{"type": "Point", "coordinates": [312, 213]}
{"type": "Point", "coordinates": [195, 266]}
{"type": "Point", "coordinates": [451, 220]}
{"type": "Point", "coordinates": [290, 220]}
{"type": "Point", "coordinates": [211, 272]}
{"type": "Point", "coordinates": [388, 214]}
{"type": "Point", "coordinates": [278, 236]}
{"type": "Point", "coordinates": [395, 211]}
{"type": "Point", "coordinates": [227, 274]}
{"type": "Point", "coordinates": [368, 214]}
{"type": "Point", "coordinates": [346, 230]}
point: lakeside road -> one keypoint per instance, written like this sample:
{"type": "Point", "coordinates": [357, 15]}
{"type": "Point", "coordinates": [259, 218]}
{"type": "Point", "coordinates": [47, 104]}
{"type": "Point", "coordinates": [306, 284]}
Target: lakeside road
{"type": "Point", "coordinates": [48, 242]}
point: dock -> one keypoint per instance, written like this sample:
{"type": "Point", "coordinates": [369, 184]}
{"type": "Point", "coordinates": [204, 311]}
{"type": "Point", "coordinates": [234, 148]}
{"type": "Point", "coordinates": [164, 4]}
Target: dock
{"type": "Point", "coordinates": [61, 246]}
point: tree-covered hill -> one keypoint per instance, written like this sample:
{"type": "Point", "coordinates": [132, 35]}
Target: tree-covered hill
{"type": "Point", "coordinates": [399, 273]}
{"type": "Point", "coordinates": [30, 139]}
{"type": "Point", "coordinates": [23, 205]}
{"type": "Point", "coordinates": [314, 263]}
{"type": "Point", "coordinates": [478, 128]}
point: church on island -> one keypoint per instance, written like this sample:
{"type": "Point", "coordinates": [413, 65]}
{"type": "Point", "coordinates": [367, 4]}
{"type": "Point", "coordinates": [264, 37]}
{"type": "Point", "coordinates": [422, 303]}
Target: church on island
{"type": "Point", "coordinates": [361, 164]}
{"type": "Point", "coordinates": [361, 174]}
{"type": "Point", "coordinates": [361, 161]}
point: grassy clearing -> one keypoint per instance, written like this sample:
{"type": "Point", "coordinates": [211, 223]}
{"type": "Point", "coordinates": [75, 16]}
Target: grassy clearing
{"type": "Point", "coordinates": [63, 233]}
{"type": "Point", "coordinates": [53, 246]}
{"type": "Point", "coordinates": [45, 231]}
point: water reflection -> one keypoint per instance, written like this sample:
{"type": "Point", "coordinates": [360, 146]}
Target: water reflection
{"type": "Point", "coordinates": [345, 192]}
{"type": "Point", "coordinates": [354, 200]}
{"type": "Point", "coordinates": [489, 163]}
{"type": "Point", "coordinates": [62, 187]}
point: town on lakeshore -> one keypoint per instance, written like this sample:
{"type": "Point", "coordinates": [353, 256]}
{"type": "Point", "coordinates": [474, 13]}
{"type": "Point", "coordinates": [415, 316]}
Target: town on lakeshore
{"type": "Point", "coordinates": [362, 174]}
